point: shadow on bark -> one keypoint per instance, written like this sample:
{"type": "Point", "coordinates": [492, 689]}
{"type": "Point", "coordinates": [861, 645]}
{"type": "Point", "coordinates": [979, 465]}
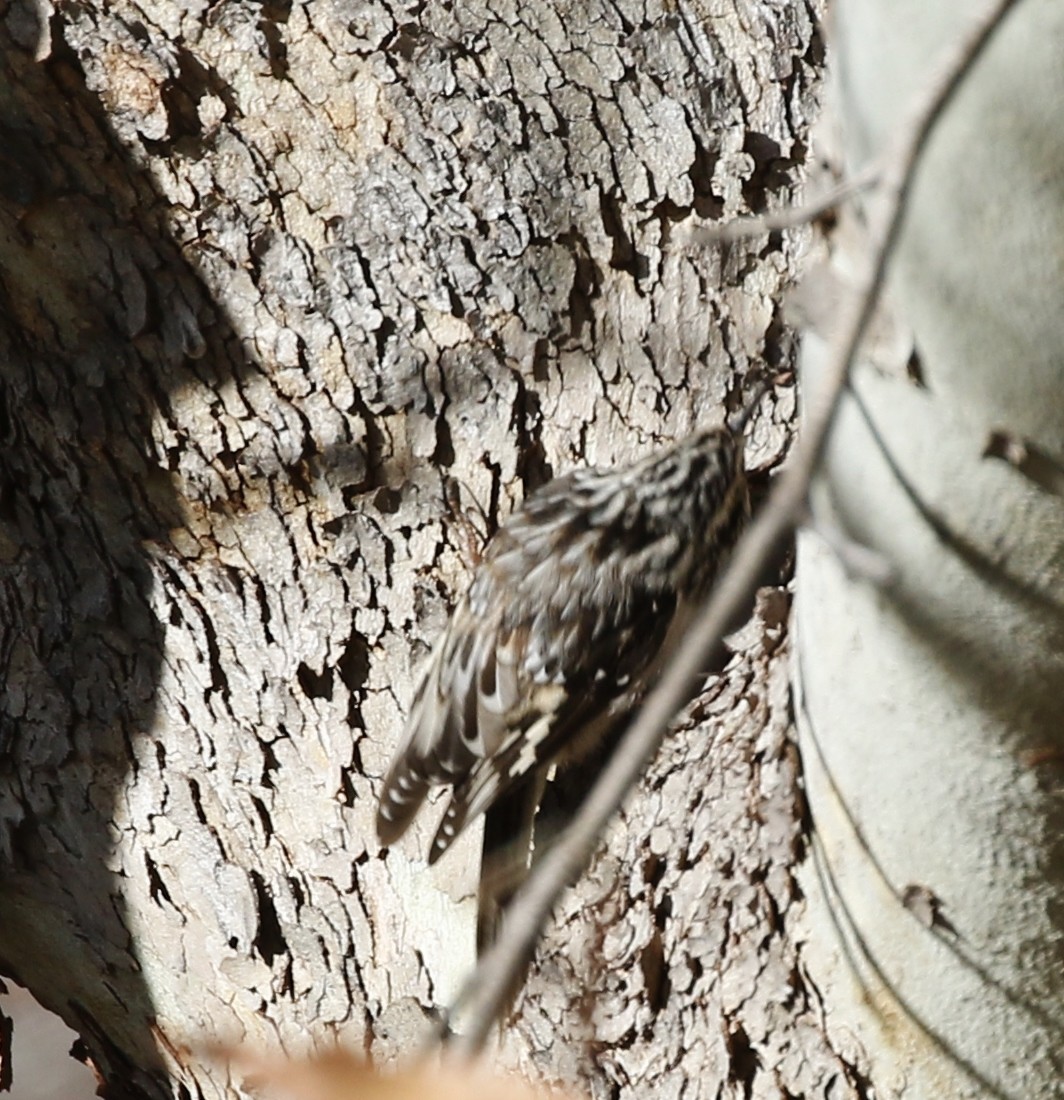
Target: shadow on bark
{"type": "Point", "coordinates": [100, 319]}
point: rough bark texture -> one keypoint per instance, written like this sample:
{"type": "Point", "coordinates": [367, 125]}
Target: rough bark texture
{"type": "Point", "coordinates": [670, 966]}
{"type": "Point", "coordinates": [931, 732]}
{"type": "Point", "coordinates": [278, 283]}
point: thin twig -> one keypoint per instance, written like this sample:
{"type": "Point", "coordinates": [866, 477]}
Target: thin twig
{"type": "Point", "coordinates": [758, 225]}
{"type": "Point", "coordinates": [479, 1002]}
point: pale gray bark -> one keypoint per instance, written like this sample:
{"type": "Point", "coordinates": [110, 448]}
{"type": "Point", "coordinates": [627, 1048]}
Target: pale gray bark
{"type": "Point", "coordinates": [930, 722]}
{"type": "Point", "coordinates": [275, 276]}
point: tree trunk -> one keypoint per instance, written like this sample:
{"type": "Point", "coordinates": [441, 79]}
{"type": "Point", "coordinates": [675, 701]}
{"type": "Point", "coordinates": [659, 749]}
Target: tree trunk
{"type": "Point", "coordinates": [930, 722]}
{"type": "Point", "coordinates": [281, 284]}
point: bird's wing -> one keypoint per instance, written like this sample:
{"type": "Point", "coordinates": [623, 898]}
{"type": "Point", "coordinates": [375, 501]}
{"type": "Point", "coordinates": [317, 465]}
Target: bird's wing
{"type": "Point", "coordinates": [563, 718]}
{"type": "Point", "coordinates": [533, 659]}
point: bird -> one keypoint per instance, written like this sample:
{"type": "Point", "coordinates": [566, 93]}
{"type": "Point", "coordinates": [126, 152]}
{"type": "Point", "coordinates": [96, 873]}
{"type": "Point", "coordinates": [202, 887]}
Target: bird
{"type": "Point", "coordinates": [578, 602]}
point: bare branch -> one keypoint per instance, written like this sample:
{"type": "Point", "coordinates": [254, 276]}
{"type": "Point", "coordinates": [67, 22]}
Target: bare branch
{"type": "Point", "coordinates": [485, 991]}
{"type": "Point", "coordinates": [744, 228]}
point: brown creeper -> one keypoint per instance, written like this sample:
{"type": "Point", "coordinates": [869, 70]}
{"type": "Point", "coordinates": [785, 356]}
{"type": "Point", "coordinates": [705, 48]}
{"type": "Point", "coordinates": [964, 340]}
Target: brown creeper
{"type": "Point", "coordinates": [576, 606]}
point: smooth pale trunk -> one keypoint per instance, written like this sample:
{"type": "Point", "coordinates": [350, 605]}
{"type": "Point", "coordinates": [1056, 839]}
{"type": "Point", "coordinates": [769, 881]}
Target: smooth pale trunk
{"type": "Point", "coordinates": [930, 707]}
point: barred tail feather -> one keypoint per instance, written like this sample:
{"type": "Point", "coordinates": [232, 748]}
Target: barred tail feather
{"type": "Point", "coordinates": [404, 791]}
{"type": "Point", "coordinates": [450, 826]}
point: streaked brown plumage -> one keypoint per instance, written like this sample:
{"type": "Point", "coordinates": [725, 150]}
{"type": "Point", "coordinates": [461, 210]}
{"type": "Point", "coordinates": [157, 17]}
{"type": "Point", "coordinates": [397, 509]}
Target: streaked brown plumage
{"type": "Point", "coordinates": [578, 603]}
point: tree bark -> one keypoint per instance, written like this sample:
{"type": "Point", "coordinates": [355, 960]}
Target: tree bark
{"type": "Point", "coordinates": [282, 282]}
{"type": "Point", "coordinates": [930, 709]}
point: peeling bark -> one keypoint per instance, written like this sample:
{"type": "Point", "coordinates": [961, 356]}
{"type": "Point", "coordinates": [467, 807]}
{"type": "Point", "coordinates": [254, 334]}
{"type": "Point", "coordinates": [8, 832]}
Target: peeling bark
{"type": "Point", "coordinates": [279, 282]}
